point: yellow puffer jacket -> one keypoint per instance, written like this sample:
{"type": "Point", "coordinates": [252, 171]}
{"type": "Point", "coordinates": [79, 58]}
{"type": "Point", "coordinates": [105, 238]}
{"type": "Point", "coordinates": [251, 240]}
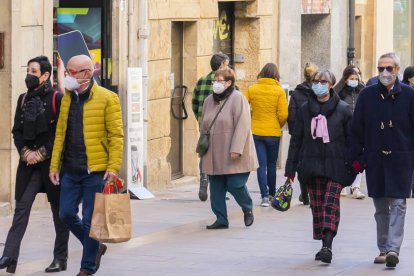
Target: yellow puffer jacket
{"type": "Point", "coordinates": [102, 126]}
{"type": "Point", "coordinates": [269, 107]}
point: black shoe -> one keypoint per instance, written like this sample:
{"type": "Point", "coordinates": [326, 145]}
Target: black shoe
{"type": "Point", "coordinates": [217, 225]}
{"type": "Point", "coordinates": [326, 255]}
{"type": "Point", "coordinates": [318, 256]}
{"type": "Point", "coordinates": [304, 200]}
{"type": "Point", "coordinates": [9, 263]}
{"type": "Point", "coordinates": [101, 252]}
{"type": "Point", "coordinates": [202, 192]}
{"type": "Point", "coordinates": [248, 218]}
{"type": "Point", "coordinates": [57, 266]}
{"type": "Point", "coordinates": [391, 260]}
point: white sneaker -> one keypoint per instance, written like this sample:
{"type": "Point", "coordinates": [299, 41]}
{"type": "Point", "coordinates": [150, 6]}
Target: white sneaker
{"type": "Point", "coordinates": [344, 192]}
{"type": "Point", "coordinates": [380, 259]}
{"type": "Point", "coordinates": [356, 193]}
{"type": "Point", "coordinates": [265, 202]}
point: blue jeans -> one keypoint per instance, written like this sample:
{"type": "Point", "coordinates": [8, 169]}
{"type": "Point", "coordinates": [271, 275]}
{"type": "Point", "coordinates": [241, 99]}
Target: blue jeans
{"type": "Point", "coordinates": [267, 149]}
{"type": "Point", "coordinates": [412, 186]}
{"type": "Point", "coordinates": [77, 188]}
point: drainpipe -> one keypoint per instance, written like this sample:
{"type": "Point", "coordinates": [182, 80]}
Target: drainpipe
{"type": "Point", "coordinates": [351, 44]}
{"type": "Point", "coordinates": [143, 33]}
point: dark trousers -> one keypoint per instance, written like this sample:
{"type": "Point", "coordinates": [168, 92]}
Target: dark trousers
{"type": "Point", "coordinates": [235, 184]}
{"type": "Point", "coordinates": [267, 149]}
{"type": "Point", "coordinates": [21, 219]}
{"type": "Point", "coordinates": [77, 188]}
{"type": "Point", "coordinates": [324, 197]}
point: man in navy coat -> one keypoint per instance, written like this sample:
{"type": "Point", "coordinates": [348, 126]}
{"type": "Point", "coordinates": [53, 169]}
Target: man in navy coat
{"type": "Point", "coordinates": [382, 143]}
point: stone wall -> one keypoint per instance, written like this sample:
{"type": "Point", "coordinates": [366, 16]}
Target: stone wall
{"type": "Point", "coordinates": [28, 28]}
{"type": "Point", "coordinates": [255, 39]}
{"type": "Point", "coordinates": [6, 117]}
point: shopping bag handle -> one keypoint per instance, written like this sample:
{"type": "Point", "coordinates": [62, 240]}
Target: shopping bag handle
{"type": "Point", "coordinates": [111, 187]}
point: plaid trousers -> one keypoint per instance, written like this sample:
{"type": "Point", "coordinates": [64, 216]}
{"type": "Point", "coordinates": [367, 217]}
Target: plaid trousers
{"type": "Point", "coordinates": [324, 201]}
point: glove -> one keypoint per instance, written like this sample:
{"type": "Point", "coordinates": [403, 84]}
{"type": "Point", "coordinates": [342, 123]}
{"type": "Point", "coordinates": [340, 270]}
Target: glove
{"type": "Point", "coordinates": [290, 178]}
{"type": "Point", "coordinates": [357, 167]}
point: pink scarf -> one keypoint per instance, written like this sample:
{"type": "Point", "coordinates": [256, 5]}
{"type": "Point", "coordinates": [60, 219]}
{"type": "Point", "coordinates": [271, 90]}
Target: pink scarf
{"type": "Point", "coordinates": [319, 128]}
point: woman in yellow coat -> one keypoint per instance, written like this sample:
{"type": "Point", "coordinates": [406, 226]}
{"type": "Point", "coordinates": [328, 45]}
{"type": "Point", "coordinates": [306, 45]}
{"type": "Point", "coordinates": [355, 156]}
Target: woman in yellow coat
{"type": "Point", "coordinates": [269, 114]}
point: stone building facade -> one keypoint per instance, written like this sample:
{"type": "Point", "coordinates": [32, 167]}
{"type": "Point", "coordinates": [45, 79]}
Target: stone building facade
{"type": "Point", "coordinates": [172, 40]}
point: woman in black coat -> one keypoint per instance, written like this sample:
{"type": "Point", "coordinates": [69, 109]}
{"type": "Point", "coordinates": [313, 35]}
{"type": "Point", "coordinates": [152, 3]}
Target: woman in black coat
{"type": "Point", "coordinates": [300, 96]}
{"type": "Point", "coordinates": [352, 86]}
{"type": "Point", "coordinates": [317, 154]}
{"type": "Point", "coordinates": [33, 133]}
{"type": "Point", "coordinates": [408, 79]}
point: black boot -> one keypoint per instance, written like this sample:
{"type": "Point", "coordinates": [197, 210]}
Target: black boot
{"type": "Point", "coordinates": [57, 266]}
{"type": "Point", "coordinates": [202, 192]}
{"type": "Point", "coordinates": [9, 263]}
{"type": "Point", "coordinates": [303, 197]}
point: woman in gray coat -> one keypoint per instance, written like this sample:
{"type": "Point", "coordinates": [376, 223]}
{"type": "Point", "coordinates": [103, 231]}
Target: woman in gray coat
{"type": "Point", "coordinates": [231, 155]}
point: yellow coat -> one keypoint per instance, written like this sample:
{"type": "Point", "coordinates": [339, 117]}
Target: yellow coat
{"type": "Point", "coordinates": [103, 133]}
{"type": "Point", "coordinates": [269, 107]}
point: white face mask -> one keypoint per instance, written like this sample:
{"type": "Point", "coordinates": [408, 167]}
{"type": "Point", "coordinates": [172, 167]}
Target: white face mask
{"type": "Point", "coordinates": [71, 83]}
{"type": "Point", "coordinates": [352, 83]}
{"type": "Point", "coordinates": [387, 78]}
{"type": "Point", "coordinates": [218, 87]}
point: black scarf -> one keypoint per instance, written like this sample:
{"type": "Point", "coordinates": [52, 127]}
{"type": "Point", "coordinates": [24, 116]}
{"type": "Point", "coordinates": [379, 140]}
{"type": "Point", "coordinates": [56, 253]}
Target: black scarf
{"type": "Point", "coordinates": [226, 93]}
{"type": "Point", "coordinates": [325, 108]}
{"type": "Point", "coordinates": [35, 122]}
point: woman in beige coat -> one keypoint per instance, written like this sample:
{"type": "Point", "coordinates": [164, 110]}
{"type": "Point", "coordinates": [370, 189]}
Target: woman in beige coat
{"type": "Point", "coordinates": [231, 155]}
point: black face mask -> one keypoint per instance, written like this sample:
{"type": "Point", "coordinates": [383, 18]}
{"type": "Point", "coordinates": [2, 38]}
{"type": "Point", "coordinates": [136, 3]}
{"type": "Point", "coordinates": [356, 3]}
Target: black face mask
{"type": "Point", "coordinates": [32, 82]}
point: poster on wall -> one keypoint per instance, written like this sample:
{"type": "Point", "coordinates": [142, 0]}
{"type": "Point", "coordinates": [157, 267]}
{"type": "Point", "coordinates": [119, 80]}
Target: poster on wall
{"type": "Point", "coordinates": [79, 32]}
{"type": "Point", "coordinates": [316, 6]}
{"type": "Point", "coordinates": [135, 141]}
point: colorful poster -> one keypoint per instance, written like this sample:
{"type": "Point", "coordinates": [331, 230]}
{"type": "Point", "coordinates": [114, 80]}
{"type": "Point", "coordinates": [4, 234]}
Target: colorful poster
{"type": "Point", "coordinates": [316, 6]}
{"type": "Point", "coordinates": [135, 140]}
{"type": "Point", "coordinates": [79, 31]}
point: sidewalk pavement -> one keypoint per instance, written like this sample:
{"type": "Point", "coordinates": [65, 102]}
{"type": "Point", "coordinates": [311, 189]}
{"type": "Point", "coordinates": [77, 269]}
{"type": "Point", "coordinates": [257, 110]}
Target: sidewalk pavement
{"type": "Point", "coordinates": [169, 238]}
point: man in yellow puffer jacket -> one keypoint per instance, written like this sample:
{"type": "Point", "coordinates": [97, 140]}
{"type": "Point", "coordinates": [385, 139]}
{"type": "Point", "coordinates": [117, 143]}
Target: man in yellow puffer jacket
{"type": "Point", "coordinates": [87, 152]}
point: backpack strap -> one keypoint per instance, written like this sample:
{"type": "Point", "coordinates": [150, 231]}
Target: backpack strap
{"type": "Point", "coordinates": [54, 102]}
{"type": "Point", "coordinates": [22, 103]}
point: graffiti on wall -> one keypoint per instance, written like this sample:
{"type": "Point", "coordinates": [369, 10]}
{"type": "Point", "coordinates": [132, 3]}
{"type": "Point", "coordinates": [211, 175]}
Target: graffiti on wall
{"type": "Point", "coordinates": [223, 30]}
{"type": "Point", "coordinates": [221, 27]}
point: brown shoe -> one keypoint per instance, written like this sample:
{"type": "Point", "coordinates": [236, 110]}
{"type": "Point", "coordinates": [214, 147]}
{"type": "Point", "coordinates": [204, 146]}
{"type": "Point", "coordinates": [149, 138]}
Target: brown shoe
{"type": "Point", "coordinates": [83, 273]}
{"type": "Point", "coordinates": [101, 251]}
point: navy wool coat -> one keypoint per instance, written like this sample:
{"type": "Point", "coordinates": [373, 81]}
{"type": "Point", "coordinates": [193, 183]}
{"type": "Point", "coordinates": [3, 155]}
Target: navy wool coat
{"type": "Point", "coordinates": [382, 138]}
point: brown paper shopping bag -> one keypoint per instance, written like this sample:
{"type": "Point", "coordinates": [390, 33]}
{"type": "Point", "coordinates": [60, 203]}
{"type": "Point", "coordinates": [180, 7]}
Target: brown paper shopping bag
{"type": "Point", "coordinates": [111, 219]}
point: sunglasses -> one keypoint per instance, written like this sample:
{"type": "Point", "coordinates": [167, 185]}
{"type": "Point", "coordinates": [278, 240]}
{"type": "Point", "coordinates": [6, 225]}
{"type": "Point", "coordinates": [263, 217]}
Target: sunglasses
{"type": "Point", "coordinates": [388, 68]}
{"type": "Point", "coordinates": [323, 82]}
{"type": "Point", "coordinates": [73, 72]}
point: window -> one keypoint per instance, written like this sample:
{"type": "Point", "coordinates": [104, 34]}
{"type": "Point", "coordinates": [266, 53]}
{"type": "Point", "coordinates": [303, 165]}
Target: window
{"type": "Point", "coordinates": [402, 31]}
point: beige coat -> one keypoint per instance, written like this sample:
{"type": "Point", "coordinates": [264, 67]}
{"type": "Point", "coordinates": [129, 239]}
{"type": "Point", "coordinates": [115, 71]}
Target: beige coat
{"type": "Point", "coordinates": [230, 133]}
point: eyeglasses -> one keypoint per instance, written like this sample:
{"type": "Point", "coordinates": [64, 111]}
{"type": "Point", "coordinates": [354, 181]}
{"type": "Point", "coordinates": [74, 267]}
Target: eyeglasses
{"type": "Point", "coordinates": [323, 82]}
{"type": "Point", "coordinates": [73, 72]}
{"type": "Point", "coordinates": [219, 80]}
{"type": "Point", "coordinates": [382, 68]}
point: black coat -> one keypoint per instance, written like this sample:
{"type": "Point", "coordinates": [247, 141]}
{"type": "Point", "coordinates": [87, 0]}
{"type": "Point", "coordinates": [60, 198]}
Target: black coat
{"type": "Point", "coordinates": [313, 158]}
{"type": "Point", "coordinates": [383, 139]}
{"type": "Point", "coordinates": [299, 96]}
{"type": "Point", "coordinates": [45, 139]}
{"type": "Point", "coordinates": [350, 95]}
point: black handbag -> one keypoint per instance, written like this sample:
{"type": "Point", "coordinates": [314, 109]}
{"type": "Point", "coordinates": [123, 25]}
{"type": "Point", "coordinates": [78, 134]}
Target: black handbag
{"type": "Point", "coordinates": [203, 141]}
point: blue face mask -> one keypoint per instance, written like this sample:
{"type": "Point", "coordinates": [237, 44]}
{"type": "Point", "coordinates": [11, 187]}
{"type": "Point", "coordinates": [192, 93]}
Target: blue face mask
{"type": "Point", "coordinates": [320, 89]}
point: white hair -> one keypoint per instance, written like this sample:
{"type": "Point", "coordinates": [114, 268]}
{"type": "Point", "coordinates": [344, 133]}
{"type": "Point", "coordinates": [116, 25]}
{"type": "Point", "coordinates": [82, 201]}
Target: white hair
{"type": "Point", "coordinates": [392, 56]}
